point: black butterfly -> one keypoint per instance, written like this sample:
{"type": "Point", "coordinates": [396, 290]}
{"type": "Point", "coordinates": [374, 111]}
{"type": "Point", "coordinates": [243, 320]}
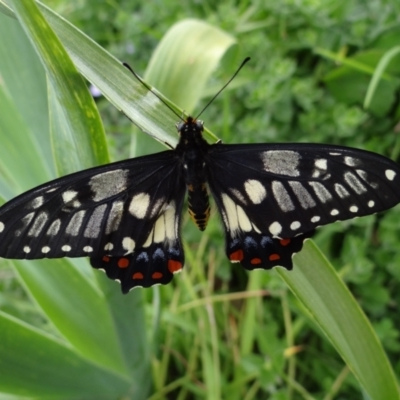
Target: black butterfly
{"type": "Point", "coordinates": [126, 216]}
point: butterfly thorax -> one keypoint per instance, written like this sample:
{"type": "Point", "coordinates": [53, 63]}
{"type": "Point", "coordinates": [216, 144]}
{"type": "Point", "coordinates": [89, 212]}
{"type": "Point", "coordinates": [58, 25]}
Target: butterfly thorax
{"type": "Point", "coordinates": [192, 150]}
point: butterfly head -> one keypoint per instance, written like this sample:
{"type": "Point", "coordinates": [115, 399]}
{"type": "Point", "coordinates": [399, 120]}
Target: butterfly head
{"type": "Point", "coordinates": [189, 127]}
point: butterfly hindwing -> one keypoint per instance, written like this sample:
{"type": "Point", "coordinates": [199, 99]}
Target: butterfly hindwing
{"type": "Point", "coordinates": [269, 195]}
{"type": "Point", "coordinates": [156, 260]}
{"type": "Point", "coordinates": [254, 250]}
{"type": "Point", "coordinates": [128, 210]}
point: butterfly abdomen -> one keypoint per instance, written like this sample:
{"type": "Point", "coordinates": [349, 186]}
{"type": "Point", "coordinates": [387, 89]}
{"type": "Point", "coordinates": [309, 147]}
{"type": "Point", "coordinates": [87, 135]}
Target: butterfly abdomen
{"type": "Point", "coordinates": [193, 149]}
{"type": "Point", "coordinates": [199, 207]}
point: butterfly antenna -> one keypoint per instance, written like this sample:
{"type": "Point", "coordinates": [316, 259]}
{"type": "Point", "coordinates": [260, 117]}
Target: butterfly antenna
{"type": "Point", "coordinates": [148, 87]}
{"type": "Point", "coordinates": [226, 84]}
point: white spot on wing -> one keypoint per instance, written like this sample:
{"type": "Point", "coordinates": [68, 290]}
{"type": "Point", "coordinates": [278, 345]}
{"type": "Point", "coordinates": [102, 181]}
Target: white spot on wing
{"type": "Point", "coordinates": [45, 249]}
{"type": "Point", "coordinates": [66, 248]}
{"type": "Point", "coordinates": [354, 183]}
{"type": "Point", "coordinates": [341, 191]}
{"type": "Point", "coordinates": [302, 194]}
{"type": "Point", "coordinates": [295, 225]}
{"type": "Point", "coordinates": [334, 212]}
{"type": "Point", "coordinates": [238, 196]}
{"type": "Point", "coordinates": [275, 228]}
{"type": "Point", "coordinates": [114, 217]}
{"type": "Point", "coordinates": [36, 203]}
{"type": "Point", "coordinates": [93, 226]}
{"type": "Point", "coordinates": [159, 229]}
{"type": "Point", "coordinates": [321, 163]}
{"type": "Point", "coordinates": [229, 213]}
{"type": "Point", "coordinates": [27, 249]}
{"type": "Point", "coordinates": [166, 226]}
{"type": "Point", "coordinates": [108, 246]}
{"type": "Point", "coordinates": [243, 219]}
{"type": "Point", "coordinates": [371, 203]}
{"type": "Point", "coordinates": [155, 209]}
{"type": "Point", "coordinates": [2, 226]}
{"type": "Point", "coordinates": [321, 192]}
{"type": "Point", "coordinates": [282, 196]}
{"type": "Point", "coordinates": [315, 218]}
{"type": "Point", "coordinates": [87, 249]}
{"type": "Point", "coordinates": [282, 162]}
{"type": "Point", "coordinates": [234, 216]}
{"type": "Point", "coordinates": [149, 240]}
{"type": "Point", "coordinates": [363, 175]}
{"type": "Point", "coordinates": [75, 223]}
{"type": "Point", "coordinates": [108, 184]}
{"type": "Point", "coordinates": [171, 222]}
{"type": "Point", "coordinates": [255, 190]}
{"type": "Point", "coordinates": [139, 205]}
{"type": "Point", "coordinates": [353, 209]}
{"type": "Point", "coordinates": [70, 198]}
{"type": "Point", "coordinates": [390, 174]}
{"type": "Point", "coordinates": [25, 221]}
{"type": "Point", "coordinates": [351, 161]}
{"type": "Point", "coordinates": [38, 224]}
{"type": "Point", "coordinates": [54, 227]}
{"type": "Point", "coordinates": [128, 244]}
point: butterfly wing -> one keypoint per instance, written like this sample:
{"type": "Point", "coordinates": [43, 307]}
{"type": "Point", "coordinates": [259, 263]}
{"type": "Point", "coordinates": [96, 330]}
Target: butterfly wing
{"type": "Point", "coordinates": [272, 197]}
{"type": "Point", "coordinates": [125, 216]}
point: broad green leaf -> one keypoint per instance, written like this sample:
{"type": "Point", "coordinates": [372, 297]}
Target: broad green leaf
{"type": "Point", "coordinates": [96, 325]}
{"type": "Point", "coordinates": [333, 308]}
{"type": "Point", "coordinates": [24, 129]}
{"type": "Point", "coordinates": [32, 362]}
{"type": "Point", "coordinates": [64, 290]}
{"type": "Point", "coordinates": [6, 9]}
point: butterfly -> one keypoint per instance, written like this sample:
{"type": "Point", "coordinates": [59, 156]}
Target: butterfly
{"type": "Point", "coordinates": [126, 216]}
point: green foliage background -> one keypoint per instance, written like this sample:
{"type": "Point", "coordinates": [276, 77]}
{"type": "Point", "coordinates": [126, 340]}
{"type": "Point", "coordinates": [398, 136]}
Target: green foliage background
{"type": "Point", "coordinates": [218, 332]}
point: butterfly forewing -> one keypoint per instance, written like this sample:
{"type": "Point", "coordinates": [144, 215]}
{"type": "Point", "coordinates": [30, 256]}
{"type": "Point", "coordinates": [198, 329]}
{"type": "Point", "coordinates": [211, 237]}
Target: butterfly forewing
{"type": "Point", "coordinates": [287, 189]}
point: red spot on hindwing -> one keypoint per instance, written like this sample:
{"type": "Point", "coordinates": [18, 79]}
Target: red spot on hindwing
{"type": "Point", "coordinates": [255, 261]}
{"type": "Point", "coordinates": [106, 259]}
{"type": "Point", "coordinates": [284, 242]}
{"type": "Point", "coordinates": [157, 275]}
{"type": "Point", "coordinates": [137, 275]}
{"type": "Point", "coordinates": [174, 266]}
{"type": "Point", "coordinates": [123, 262]}
{"type": "Point", "coordinates": [274, 257]}
{"type": "Point", "coordinates": [236, 256]}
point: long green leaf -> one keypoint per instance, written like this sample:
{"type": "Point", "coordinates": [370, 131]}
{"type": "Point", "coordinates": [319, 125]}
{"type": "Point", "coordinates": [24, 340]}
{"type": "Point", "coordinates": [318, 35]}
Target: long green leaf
{"type": "Point", "coordinates": [379, 71]}
{"type": "Point", "coordinates": [33, 362]}
{"type": "Point", "coordinates": [79, 136]}
{"type": "Point", "coordinates": [316, 284]}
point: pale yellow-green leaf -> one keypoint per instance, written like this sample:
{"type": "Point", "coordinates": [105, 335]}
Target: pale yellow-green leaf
{"type": "Point", "coordinates": [185, 59]}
